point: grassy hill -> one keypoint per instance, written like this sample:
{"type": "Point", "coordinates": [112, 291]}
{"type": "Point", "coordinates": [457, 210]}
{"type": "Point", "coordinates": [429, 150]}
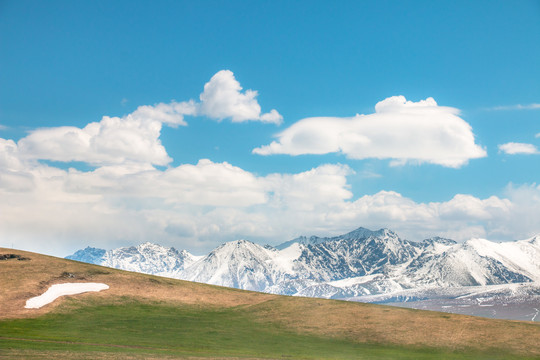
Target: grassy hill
{"type": "Point", "coordinates": [143, 316]}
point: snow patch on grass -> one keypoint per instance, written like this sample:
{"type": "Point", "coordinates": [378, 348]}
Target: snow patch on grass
{"type": "Point", "coordinates": [55, 291]}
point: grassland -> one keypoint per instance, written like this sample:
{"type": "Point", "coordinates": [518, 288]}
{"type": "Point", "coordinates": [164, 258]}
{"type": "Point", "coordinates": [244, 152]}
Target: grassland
{"type": "Point", "coordinates": [142, 316]}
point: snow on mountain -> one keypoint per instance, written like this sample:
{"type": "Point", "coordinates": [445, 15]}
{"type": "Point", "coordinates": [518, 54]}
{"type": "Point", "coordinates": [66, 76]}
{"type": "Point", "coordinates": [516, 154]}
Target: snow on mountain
{"type": "Point", "coordinates": [361, 263]}
{"type": "Point", "coordinates": [149, 258]}
{"type": "Point", "coordinates": [360, 233]}
{"type": "Point", "coordinates": [357, 253]}
{"type": "Point", "coordinates": [519, 256]}
{"type": "Point", "coordinates": [146, 258]}
{"type": "Point", "coordinates": [302, 240]}
{"type": "Point", "coordinates": [90, 255]}
{"type": "Point", "coordinates": [437, 244]}
{"type": "Point", "coordinates": [461, 265]}
{"type": "Point", "coordinates": [240, 264]}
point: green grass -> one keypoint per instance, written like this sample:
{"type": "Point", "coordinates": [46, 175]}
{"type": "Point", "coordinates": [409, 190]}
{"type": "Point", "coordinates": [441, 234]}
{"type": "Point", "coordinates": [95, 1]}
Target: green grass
{"type": "Point", "coordinates": [131, 328]}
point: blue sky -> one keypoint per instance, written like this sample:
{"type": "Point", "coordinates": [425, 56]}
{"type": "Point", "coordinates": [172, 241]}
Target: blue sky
{"type": "Point", "coordinates": [69, 64]}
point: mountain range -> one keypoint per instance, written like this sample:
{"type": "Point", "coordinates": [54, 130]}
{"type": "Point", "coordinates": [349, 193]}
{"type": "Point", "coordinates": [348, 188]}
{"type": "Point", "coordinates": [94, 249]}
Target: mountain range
{"type": "Point", "coordinates": [361, 265]}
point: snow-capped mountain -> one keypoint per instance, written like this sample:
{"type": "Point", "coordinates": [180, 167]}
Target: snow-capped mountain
{"type": "Point", "coordinates": [355, 254]}
{"type": "Point", "coordinates": [361, 264]}
{"type": "Point", "coordinates": [145, 258]}
{"type": "Point", "coordinates": [472, 263]}
{"type": "Point", "coordinates": [90, 255]}
{"type": "Point", "coordinates": [240, 264]}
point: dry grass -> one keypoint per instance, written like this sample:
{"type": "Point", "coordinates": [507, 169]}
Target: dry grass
{"type": "Point", "coordinates": [21, 280]}
{"type": "Point", "coordinates": [363, 323]}
{"type": "Point", "coordinates": [399, 326]}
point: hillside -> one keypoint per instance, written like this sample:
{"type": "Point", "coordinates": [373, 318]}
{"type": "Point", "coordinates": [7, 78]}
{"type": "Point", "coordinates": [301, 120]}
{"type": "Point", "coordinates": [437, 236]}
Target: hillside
{"type": "Point", "coordinates": [144, 316]}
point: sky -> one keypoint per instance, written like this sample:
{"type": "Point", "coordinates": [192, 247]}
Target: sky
{"type": "Point", "coordinates": [193, 123]}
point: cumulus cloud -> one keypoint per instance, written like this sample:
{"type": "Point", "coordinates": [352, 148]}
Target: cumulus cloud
{"type": "Point", "coordinates": [134, 138]}
{"type": "Point", "coordinates": [11, 175]}
{"type": "Point", "coordinates": [525, 201]}
{"type": "Point", "coordinates": [9, 155]}
{"type": "Point", "coordinates": [513, 148]}
{"type": "Point", "coordinates": [198, 206]}
{"type": "Point", "coordinates": [125, 199]}
{"type": "Point", "coordinates": [170, 114]}
{"type": "Point", "coordinates": [125, 203]}
{"type": "Point", "coordinates": [223, 98]}
{"type": "Point", "coordinates": [401, 130]}
{"type": "Point", "coordinates": [113, 140]}
{"type": "Point", "coordinates": [468, 207]}
{"type": "Point", "coordinates": [325, 185]}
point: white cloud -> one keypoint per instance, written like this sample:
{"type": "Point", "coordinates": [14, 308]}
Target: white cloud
{"type": "Point", "coordinates": [537, 135]}
{"type": "Point", "coordinates": [223, 98]}
{"type": "Point", "coordinates": [126, 200]}
{"type": "Point", "coordinates": [404, 131]}
{"type": "Point", "coordinates": [170, 114]}
{"type": "Point", "coordinates": [523, 220]}
{"type": "Point", "coordinates": [113, 140]}
{"type": "Point", "coordinates": [467, 207]}
{"type": "Point", "coordinates": [368, 174]}
{"type": "Point", "coordinates": [203, 184]}
{"type": "Point", "coordinates": [198, 206]}
{"type": "Point", "coordinates": [516, 107]}
{"type": "Point", "coordinates": [134, 138]}
{"type": "Point", "coordinates": [9, 155]}
{"type": "Point", "coordinates": [325, 185]}
{"type": "Point", "coordinates": [12, 174]}
{"type": "Point", "coordinates": [513, 148]}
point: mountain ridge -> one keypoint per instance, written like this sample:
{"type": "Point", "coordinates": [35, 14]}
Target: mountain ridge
{"type": "Point", "coordinates": [359, 263]}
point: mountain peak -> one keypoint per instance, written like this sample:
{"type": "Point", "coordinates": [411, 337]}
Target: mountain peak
{"type": "Point", "coordinates": [363, 233]}
{"type": "Point", "coordinates": [149, 244]}
{"type": "Point", "coordinates": [357, 234]}
{"type": "Point", "coordinates": [304, 240]}
{"type": "Point", "coordinates": [237, 243]}
{"type": "Point", "coordinates": [89, 254]}
{"type": "Point", "coordinates": [240, 245]}
{"type": "Point", "coordinates": [535, 239]}
{"type": "Point", "coordinates": [438, 240]}
{"type": "Point", "coordinates": [478, 242]}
